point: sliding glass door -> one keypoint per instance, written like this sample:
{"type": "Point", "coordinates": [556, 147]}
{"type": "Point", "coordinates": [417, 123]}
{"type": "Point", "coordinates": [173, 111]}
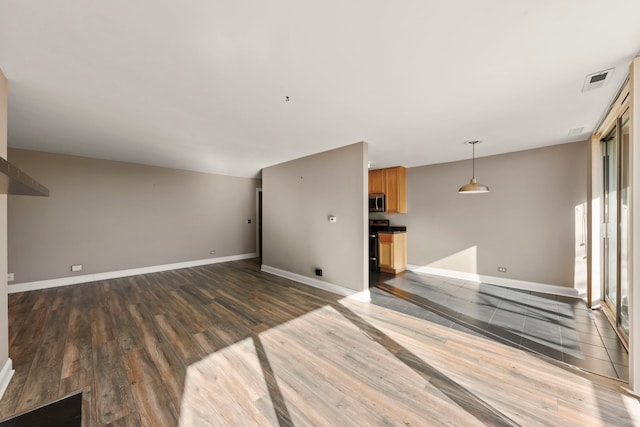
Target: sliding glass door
{"type": "Point", "coordinates": [624, 244]}
{"type": "Point", "coordinates": [610, 216]}
{"type": "Point", "coordinates": [615, 151]}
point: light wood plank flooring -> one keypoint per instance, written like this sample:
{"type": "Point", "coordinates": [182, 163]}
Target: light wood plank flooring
{"type": "Point", "coordinates": [229, 345]}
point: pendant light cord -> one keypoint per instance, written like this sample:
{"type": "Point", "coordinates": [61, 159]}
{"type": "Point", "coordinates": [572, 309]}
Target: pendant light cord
{"type": "Point", "coordinates": [473, 160]}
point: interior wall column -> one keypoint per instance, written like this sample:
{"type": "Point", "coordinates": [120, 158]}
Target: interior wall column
{"type": "Point", "coordinates": [6, 369]}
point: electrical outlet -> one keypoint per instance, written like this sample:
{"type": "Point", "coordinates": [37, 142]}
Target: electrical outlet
{"type": "Point", "coordinates": [76, 267]}
{"type": "Point", "coordinates": [318, 272]}
{"type": "Point", "coordinates": [248, 221]}
{"type": "Point", "coordinates": [10, 277]}
{"type": "Point", "coordinates": [212, 252]}
{"type": "Point", "coordinates": [502, 269]}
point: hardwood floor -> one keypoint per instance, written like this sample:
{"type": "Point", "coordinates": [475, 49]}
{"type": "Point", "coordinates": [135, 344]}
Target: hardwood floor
{"type": "Point", "coordinates": [229, 345]}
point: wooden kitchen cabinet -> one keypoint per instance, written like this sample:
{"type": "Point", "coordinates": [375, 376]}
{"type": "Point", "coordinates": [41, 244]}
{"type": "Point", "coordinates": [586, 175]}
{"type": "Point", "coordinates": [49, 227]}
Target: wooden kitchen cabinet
{"type": "Point", "coordinates": [396, 195]}
{"type": "Point", "coordinates": [392, 252]}
{"type": "Point", "coordinates": [392, 182]}
{"type": "Point", "coordinates": [377, 181]}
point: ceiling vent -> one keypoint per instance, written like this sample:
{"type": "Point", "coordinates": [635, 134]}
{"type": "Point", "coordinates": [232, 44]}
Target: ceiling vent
{"type": "Point", "coordinates": [576, 131]}
{"type": "Point", "coordinates": [597, 80]}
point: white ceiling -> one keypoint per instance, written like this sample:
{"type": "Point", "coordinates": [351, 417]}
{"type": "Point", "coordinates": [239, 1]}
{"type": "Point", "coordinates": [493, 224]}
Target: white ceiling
{"type": "Point", "coordinates": [201, 84]}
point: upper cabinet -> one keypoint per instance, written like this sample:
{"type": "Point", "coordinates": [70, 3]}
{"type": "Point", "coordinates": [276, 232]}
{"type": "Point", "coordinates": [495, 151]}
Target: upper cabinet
{"type": "Point", "coordinates": [396, 194]}
{"type": "Point", "coordinates": [392, 182]}
{"type": "Point", "coordinates": [377, 181]}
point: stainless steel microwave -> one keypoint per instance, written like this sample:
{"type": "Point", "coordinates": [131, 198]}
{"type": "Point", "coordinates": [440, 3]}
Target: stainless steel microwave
{"type": "Point", "coordinates": [376, 202]}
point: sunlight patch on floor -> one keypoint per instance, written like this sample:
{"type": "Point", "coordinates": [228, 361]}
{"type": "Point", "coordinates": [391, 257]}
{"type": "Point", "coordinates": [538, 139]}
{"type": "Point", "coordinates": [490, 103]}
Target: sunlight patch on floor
{"type": "Point", "coordinates": [323, 368]}
{"type": "Point", "coordinates": [227, 386]}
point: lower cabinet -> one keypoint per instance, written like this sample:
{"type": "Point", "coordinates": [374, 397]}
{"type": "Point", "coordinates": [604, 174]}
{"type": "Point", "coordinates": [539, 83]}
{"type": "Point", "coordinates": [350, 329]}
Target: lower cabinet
{"type": "Point", "coordinates": [392, 252]}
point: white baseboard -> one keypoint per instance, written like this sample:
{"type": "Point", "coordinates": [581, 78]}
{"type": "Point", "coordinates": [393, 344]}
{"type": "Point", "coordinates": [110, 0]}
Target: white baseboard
{"type": "Point", "coordinates": [500, 281]}
{"type": "Point", "coordinates": [64, 281]}
{"type": "Point", "coordinates": [336, 289]}
{"type": "Point", "coordinates": [5, 376]}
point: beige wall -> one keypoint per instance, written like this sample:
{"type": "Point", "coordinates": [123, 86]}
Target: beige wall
{"type": "Point", "coordinates": [299, 196]}
{"type": "Point", "coordinates": [527, 223]}
{"type": "Point", "coordinates": [111, 216]}
{"type": "Point", "coordinates": [4, 321]}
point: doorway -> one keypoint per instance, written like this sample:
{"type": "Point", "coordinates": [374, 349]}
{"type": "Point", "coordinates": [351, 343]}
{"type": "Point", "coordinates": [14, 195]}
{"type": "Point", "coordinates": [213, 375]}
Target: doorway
{"type": "Point", "coordinates": [259, 222]}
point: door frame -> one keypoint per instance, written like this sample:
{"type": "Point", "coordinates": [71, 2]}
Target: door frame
{"type": "Point", "coordinates": [258, 221]}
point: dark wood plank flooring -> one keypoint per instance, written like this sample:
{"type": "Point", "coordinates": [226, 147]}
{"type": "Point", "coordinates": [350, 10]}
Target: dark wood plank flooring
{"type": "Point", "coordinates": [226, 344]}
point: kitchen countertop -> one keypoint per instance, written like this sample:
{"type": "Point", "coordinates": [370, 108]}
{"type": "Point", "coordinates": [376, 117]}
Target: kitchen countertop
{"type": "Point", "coordinates": [394, 230]}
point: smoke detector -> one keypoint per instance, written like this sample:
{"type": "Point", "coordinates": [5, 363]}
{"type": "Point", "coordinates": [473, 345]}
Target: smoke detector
{"type": "Point", "coordinates": [597, 80]}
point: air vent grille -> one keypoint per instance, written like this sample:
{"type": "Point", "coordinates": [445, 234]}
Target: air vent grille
{"type": "Point", "coordinates": [597, 80]}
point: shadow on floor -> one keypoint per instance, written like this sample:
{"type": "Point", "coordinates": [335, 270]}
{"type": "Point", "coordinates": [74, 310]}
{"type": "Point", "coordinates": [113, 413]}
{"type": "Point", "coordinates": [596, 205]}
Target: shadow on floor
{"type": "Point", "coordinates": [562, 328]}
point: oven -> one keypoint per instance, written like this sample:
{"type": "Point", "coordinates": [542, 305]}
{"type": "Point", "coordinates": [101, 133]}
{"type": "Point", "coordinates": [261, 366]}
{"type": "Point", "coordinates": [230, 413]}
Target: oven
{"type": "Point", "coordinates": [375, 225]}
{"type": "Point", "coordinates": [373, 251]}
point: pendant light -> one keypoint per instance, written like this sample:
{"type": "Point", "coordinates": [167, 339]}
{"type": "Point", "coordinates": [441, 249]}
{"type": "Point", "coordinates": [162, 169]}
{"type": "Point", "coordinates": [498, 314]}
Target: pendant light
{"type": "Point", "coordinates": [473, 187]}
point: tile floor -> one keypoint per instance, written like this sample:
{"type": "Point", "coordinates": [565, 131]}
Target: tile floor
{"type": "Point", "coordinates": [559, 327]}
